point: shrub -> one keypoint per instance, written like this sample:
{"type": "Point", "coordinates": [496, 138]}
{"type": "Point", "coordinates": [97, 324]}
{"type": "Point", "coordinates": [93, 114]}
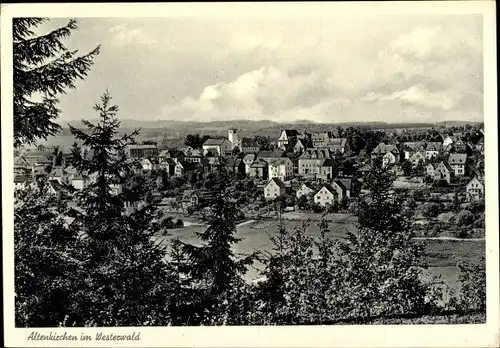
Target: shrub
{"type": "Point", "coordinates": [473, 286]}
{"type": "Point", "coordinates": [179, 223]}
{"type": "Point", "coordinates": [464, 218]}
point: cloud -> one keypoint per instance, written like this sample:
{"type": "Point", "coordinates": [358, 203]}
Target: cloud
{"type": "Point", "coordinates": [124, 35]}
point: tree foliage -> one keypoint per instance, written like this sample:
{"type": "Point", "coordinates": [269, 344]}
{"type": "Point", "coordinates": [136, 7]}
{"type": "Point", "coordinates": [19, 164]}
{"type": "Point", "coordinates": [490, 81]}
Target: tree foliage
{"type": "Point", "coordinates": [43, 67]}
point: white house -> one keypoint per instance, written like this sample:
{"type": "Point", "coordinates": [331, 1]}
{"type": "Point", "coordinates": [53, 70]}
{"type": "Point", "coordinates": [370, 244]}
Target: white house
{"type": "Point", "coordinates": [327, 195]}
{"type": "Point", "coordinates": [232, 136]}
{"type": "Point", "coordinates": [21, 181]}
{"type": "Point", "coordinates": [432, 149]}
{"type": "Point", "coordinates": [429, 169]}
{"type": "Point", "coordinates": [458, 161]}
{"type": "Point", "coordinates": [248, 160]}
{"type": "Point", "coordinates": [447, 141]}
{"type": "Point", "coordinates": [79, 181]}
{"type": "Point", "coordinates": [388, 158]}
{"type": "Point", "coordinates": [274, 188]}
{"type": "Point", "coordinates": [304, 190]}
{"type": "Point", "coordinates": [475, 189]}
{"type": "Point", "coordinates": [281, 168]}
{"type": "Point", "coordinates": [286, 136]}
{"type": "Point", "coordinates": [218, 146]}
{"type": "Point", "coordinates": [179, 169]}
{"type": "Point", "coordinates": [146, 164]}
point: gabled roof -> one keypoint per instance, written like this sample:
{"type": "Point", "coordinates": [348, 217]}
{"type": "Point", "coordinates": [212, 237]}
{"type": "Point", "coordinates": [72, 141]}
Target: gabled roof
{"type": "Point", "coordinates": [291, 132]}
{"type": "Point", "coordinates": [434, 146]}
{"type": "Point", "coordinates": [278, 182]}
{"type": "Point", "coordinates": [445, 165]}
{"type": "Point", "coordinates": [164, 153]}
{"type": "Point", "coordinates": [319, 136]}
{"type": "Point", "coordinates": [279, 161]}
{"type": "Point", "coordinates": [329, 188]}
{"type": "Point", "coordinates": [413, 145]}
{"type": "Point", "coordinates": [337, 142]}
{"type": "Point", "coordinates": [56, 185]}
{"type": "Point", "coordinates": [315, 153]}
{"type": "Point", "coordinates": [480, 180]}
{"type": "Point", "coordinates": [308, 185]}
{"type": "Point", "coordinates": [170, 161]}
{"type": "Point", "coordinates": [57, 172]}
{"type": "Point", "coordinates": [142, 146]}
{"type": "Point", "coordinates": [271, 154]}
{"type": "Point", "coordinates": [246, 142]}
{"type": "Point", "coordinates": [457, 158]}
{"type": "Point", "coordinates": [344, 183]}
{"type": "Point", "coordinates": [383, 148]}
{"type": "Point", "coordinates": [214, 141]}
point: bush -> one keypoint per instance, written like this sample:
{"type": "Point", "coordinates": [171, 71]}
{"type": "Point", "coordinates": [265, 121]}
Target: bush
{"type": "Point", "coordinates": [473, 286]}
{"type": "Point", "coordinates": [464, 218]}
{"type": "Point", "coordinates": [179, 223]}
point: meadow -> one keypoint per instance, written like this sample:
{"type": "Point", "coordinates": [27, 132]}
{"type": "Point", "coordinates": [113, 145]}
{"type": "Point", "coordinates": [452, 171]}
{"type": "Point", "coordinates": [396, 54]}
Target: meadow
{"type": "Point", "coordinates": [442, 255]}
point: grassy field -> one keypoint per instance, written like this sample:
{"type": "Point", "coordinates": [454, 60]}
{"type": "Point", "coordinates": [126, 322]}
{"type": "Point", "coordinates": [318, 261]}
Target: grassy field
{"type": "Point", "coordinates": [442, 255]}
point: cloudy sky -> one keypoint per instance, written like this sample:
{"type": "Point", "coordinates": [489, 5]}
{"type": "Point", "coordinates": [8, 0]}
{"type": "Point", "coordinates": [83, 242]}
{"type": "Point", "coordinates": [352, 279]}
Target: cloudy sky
{"type": "Point", "coordinates": [339, 68]}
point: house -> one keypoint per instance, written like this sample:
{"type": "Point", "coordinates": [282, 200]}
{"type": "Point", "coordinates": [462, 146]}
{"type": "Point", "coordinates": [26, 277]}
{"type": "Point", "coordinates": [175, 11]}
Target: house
{"type": "Point", "coordinates": [447, 141]}
{"type": "Point", "coordinates": [168, 165]}
{"type": "Point", "coordinates": [54, 187]}
{"type": "Point", "coordinates": [381, 149]}
{"type": "Point", "coordinates": [217, 146]}
{"type": "Point", "coordinates": [443, 171]}
{"type": "Point", "coordinates": [79, 181]}
{"type": "Point", "coordinates": [21, 165]}
{"type": "Point", "coordinates": [192, 155]}
{"type": "Point", "coordinates": [322, 139]}
{"type": "Point", "coordinates": [338, 145]}
{"type": "Point", "coordinates": [326, 195]}
{"type": "Point", "coordinates": [286, 137]}
{"type": "Point", "coordinates": [271, 155]}
{"type": "Point", "coordinates": [299, 146]}
{"type": "Point", "coordinates": [146, 164]}
{"type": "Point", "coordinates": [235, 165]}
{"type": "Point", "coordinates": [345, 188]}
{"type": "Point", "coordinates": [396, 169]}
{"type": "Point", "coordinates": [281, 168]}
{"type": "Point", "coordinates": [410, 147]}
{"type": "Point", "coordinates": [460, 146]}
{"type": "Point", "coordinates": [304, 190]}
{"type": "Point", "coordinates": [190, 198]}
{"type": "Point", "coordinates": [417, 157]}
{"type": "Point", "coordinates": [475, 189]}
{"type": "Point", "coordinates": [259, 169]}
{"type": "Point", "coordinates": [311, 160]}
{"type": "Point", "coordinates": [142, 151]}
{"type": "Point", "coordinates": [429, 170]}
{"type": "Point", "coordinates": [58, 174]}
{"type": "Point", "coordinates": [248, 160]}
{"type": "Point", "coordinates": [163, 155]}
{"type": "Point", "coordinates": [274, 188]}
{"type": "Point", "coordinates": [458, 162]}
{"type": "Point", "coordinates": [325, 173]}
{"type": "Point", "coordinates": [433, 149]}
{"type": "Point", "coordinates": [389, 158]}
{"type": "Point", "coordinates": [33, 158]}
{"type": "Point", "coordinates": [179, 169]}
{"type": "Point", "coordinates": [249, 146]}
{"type": "Point", "coordinates": [21, 181]}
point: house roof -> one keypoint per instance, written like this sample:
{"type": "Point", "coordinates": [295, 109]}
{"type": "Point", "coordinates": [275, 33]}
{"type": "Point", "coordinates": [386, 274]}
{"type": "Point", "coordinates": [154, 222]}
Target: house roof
{"type": "Point", "coordinates": [321, 136]}
{"type": "Point", "coordinates": [57, 172]}
{"type": "Point", "coordinates": [413, 145]}
{"type": "Point", "coordinates": [247, 142]}
{"type": "Point", "coordinates": [417, 154]}
{"type": "Point", "coordinates": [308, 185]}
{"type": "Point", "coordinates": [278, 182]}
{"type": "Point", "coordinates": [315, 153]}
{"type": "Point", "coordinates": [291, 132]}
{"type": "Point", "coordinates": [259, 163]}
{"type": "Point", "coordinates": [434, 146]}
{"type": "Point", "coordinates": [474, 179]}
{"type": "Point", "coordinates": [56, 185]}
{"type": "Point", "coordinates": [340, 142]}
{"type": "Point", "coordinates": [249, 158]}
{"type": "Point", "coordinates": [457, 158]}
{"type": "Point", "coordinates": [279, 161]}
{"type": "Point", "coordinates": [170, 162]}
{"type": "Point", "coordinates": [214, 141]}
{"type": "Point", "coordinates": [344, 183]}
{"type": "Point", "coordinates": [18, 179]}
{"type": "Point", "coordinates": [383, 148]}
{"type": "Point", "coordinates": [271, 154]}
{"type": "Point", "coordinates": [327, 162]}
{"type": "Point", "coordinates": [142, 146]}
{"type": "Point", "coordinates": [445, 165]}
{"type": "Point", "coordinates": [329, 188]}
{"type": "Point", "coordinates": [164, 153]}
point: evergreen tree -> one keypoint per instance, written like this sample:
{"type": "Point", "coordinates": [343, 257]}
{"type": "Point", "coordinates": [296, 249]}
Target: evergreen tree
{"type": "Point", "coordinates": [42, 66]}
{"type": "Point", "coordinates": [126, 270]}
{"type": "Point", "coordinates": [216, 271]}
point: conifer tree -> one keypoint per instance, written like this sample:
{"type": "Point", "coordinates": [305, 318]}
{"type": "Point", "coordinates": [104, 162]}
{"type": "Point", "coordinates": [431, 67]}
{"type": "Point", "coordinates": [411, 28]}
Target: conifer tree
{"type": "Point", "coordinates": [217, 272]}
{"type": "Point", "coordinates": [126, 270]}
{"type": "Point", "coordinates": [42, 67]}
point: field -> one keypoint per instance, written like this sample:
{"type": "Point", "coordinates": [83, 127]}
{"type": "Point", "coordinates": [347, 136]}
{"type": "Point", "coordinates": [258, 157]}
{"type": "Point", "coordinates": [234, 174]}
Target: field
{"type": "Point", "coordinates": [443, 255]}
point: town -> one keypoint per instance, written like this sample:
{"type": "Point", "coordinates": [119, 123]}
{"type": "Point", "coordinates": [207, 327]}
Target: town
{"type": "Point", "coordinates": [442, 170]}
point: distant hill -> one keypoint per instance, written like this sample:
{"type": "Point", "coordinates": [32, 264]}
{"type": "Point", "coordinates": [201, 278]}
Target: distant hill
{"type": "Point", "coordinates": [457, 123]}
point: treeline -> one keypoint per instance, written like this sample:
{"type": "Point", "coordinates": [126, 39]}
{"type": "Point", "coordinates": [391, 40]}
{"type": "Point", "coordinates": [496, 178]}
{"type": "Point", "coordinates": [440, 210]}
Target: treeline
{"type": "Point", "coordinates": [97, 263]}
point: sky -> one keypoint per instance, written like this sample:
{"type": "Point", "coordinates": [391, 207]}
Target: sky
{"type": "Point", "coordinates": [391, 68]}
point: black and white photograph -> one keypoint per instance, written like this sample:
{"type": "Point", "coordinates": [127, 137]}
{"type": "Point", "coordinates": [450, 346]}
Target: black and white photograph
{"type": "Point", "coordinates": [248, 168]}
